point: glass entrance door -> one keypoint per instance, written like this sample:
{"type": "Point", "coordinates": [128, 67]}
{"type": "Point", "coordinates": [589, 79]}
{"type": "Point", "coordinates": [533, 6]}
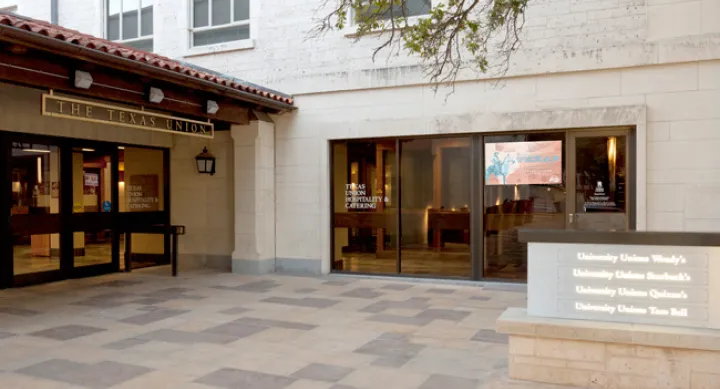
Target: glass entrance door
{"type": "Point", "coordinates": [94, 188]}
{"type": "Point", "coordinates": [34, 169]}
{"type": "Point", "coordinates": [598, 180]}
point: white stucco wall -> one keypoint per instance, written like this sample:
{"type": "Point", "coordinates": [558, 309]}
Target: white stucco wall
{"type": "Point", "coordinates": [578, 54]}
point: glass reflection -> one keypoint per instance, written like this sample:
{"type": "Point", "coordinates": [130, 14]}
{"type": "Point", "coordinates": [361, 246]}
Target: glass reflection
{"type": "Point", "coordinates": [600, 183]}
{"type": "Point", "coordinates": [524, 188]}
{"type": "Point", "coordinates": [365, 207]}
{"type": "Point", "coordinates": [435, 181]}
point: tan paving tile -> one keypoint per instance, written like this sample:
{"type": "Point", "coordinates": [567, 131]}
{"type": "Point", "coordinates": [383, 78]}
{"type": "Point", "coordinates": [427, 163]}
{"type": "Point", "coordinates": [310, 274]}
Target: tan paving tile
{"type": "Point", "coordinates": [383, 378]}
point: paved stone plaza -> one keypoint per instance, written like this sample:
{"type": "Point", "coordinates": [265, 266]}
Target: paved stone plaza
{"type": "Point", "coordinates": [209, 330]}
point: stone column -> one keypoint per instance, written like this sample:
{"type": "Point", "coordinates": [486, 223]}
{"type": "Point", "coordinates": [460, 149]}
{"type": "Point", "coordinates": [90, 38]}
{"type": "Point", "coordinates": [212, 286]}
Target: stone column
{"type": "Point", "coordinates": [254, 197]}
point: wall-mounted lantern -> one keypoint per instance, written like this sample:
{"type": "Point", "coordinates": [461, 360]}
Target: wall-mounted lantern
{"type": "Point", "coordinates": [205, 162]}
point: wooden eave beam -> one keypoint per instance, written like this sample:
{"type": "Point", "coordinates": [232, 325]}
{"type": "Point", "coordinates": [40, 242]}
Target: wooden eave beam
{"type": "Point", "coordinates": [52, 72]}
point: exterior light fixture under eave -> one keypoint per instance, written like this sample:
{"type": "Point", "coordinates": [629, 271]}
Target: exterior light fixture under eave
{"type": "Point", "coordinates": [156, 95]}
{"type": "Point", "coordinates": [205, 162]}
{"type": "Point", "coordinates": [212, 107]}
{"type": "Point", "coordinates": [83, 80]}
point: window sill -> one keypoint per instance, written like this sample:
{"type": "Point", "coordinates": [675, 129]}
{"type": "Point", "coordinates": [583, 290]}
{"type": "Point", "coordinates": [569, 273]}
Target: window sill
{"type": "Point", "coordinates": [244, 44]}
{"type": "Point", "coordinates": [351, 31]}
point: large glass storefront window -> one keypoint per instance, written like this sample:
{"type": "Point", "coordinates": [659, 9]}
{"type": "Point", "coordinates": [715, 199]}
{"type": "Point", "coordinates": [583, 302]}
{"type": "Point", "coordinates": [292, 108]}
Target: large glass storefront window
{"type": "Point", "coordinates": [454, 206]}
{"type": "Point", "coordinates": [433, 187]}
{"type": "Point", "coordinates": [365, 206]}
{"type": "Point", "coordinates": [435, 206]}
{"type": "Point", "coordinates": [524, 188]}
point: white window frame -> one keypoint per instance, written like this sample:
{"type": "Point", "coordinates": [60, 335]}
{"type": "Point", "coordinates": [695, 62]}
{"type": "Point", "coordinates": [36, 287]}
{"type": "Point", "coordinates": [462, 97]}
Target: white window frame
{"type": "Point", "coordinates": [106, 9]}
{"type": "Point", "coordinates": [10, 9]}
{"type": "Point", "coordinates": [350, 29]}
{"type": "Point", "coordinates": [239, 44]}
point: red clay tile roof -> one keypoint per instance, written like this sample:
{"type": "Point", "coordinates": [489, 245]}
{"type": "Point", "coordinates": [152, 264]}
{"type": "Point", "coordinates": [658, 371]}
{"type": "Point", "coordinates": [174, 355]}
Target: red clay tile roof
{"type": "Point", "coordinates": [120, 50]}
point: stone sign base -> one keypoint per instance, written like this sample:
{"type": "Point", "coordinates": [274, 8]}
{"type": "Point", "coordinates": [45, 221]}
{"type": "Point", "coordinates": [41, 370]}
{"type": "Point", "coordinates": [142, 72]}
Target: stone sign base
{"type": "Point", "coordinates": [592, 354]}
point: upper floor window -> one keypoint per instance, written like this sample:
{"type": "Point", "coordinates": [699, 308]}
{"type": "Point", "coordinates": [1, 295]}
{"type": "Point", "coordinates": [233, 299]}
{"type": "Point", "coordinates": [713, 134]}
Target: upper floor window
{"type": "Point", "coordinates": [409, 9]}
{"type": "Point", "coordinates": [218, 21]}
{"type": "Point", "coordinates": [130, 22]}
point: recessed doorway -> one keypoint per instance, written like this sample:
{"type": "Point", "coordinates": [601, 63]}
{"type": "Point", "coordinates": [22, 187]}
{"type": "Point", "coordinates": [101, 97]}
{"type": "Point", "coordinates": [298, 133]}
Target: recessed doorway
{"type": "Point", "coordinates": [69, 209]}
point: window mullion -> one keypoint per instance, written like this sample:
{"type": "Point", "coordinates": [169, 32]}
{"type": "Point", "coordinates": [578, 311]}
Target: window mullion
{"type": "Point", "coordinates": [210, 8]}
{"type": "Point", "coordinates": [139, 11]}
{"type": "Point", "coordinates": [232, 11]}
{"type": "Point", "coordinates": [120, 19]}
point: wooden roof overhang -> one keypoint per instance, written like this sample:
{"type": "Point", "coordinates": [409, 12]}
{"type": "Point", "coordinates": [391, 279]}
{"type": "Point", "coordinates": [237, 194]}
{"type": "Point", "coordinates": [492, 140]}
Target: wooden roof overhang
{"type": "Point", "coordinates": [36, 60]}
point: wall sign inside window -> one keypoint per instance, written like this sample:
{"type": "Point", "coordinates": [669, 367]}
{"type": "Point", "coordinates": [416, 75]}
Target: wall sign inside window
{"type": "Point", "coordinates": [523, 163]}
{"type": "Point", "coordinates": [130, 22]}
{"type": "Point", "coordinates": [219, 21]}
{"type": "Point", "coordinates": [357, 197]}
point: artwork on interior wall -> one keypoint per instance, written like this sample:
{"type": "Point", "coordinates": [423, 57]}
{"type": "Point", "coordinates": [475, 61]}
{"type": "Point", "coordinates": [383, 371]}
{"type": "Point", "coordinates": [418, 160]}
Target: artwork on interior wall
{"type": "Point", "coordinates": [55, 190]}
{"type": "Point", "coordinates": [523, 163]}
{"type": "Point", "coordinates": [142, 194]}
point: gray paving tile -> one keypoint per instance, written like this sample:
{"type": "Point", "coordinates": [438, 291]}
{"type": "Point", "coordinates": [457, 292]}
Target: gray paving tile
{"type": "Point", "coordinates": [391, 348]}
{"type": "Point", "coordinates": [120, 283]}
{"type": "Point", "coordinates": [5, 335]}
{"type": "Point", "coordinates": [67, 332]}
{"type": "Point", "coordinates": [394, 362]}
{"type": "Point", "coordinates": [153, 316]}
{"type": "Point", "coordinates": [393, 336]}
{"type": "Point", "coordinates": [397, 319]}
{"type": "Point", "coordinates": [363, 293]}
{"type": "Point", "coordinates": [148, 301]}
{"type": "Point", "coordinates": [168, 293]}
{"type": "Point", "coordinates": [103, 375]}
{"type": "Point", "coordinates": [244, 379]}
{"type": "Point", "coordinates": [100, 303]}
{"type": "Point", "coordinates": [302, 302]}
{"type": "Point", "coordinates": [125, 344]}
{"type": "Point", "coordinates": [441, 381]}
{"type": "Point", "coordinates": [490, 336]}
{"type": "Point", "coordinates": [235, 311]}
{"type": "Point", "coordinates": [50, 369]}
{"type": "Point", "coordinates": [481, 298]}
{"type": "Point", "coordinates": [18, 311]}
{"type": "Point", "coordinates": [187, 337]}
{"type": "Point", "coordinates": [305, 290]}
{"type": "Point", "coordinates": [253, 287]}
{"type": "Point", "coordinates": [337, 282]}
{"type": "Point", "coordinates": [441, 291]}
{"type": "Point", "coordinates": [377, 307]}
{"type": "Point", "coordinates": [411, 303]}
{"type": "Point", "coordinates": [443, 314]}
{"type": "Point", "coordinates": [115, 295]}
{"type": "Point", "coordinates": [235, 330]}
{"type": "Point", "coordinates": [322, 372]}
{"type": "Point", "coordinates": [336, 386]}
{"type": "Point", "coordinates": [150, 308]}
{"type": "Point", "coordinates": [397, 286]}
{"type": "Point", "coordinates": [251, 321]}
